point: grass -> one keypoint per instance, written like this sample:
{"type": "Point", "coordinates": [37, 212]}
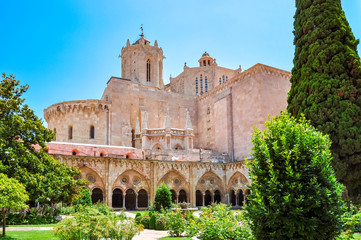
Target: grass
{"type": "Point", "coordinates": [34, 225]}
{"type": "Point", "coordinates": [172, 238]}
{"type": "Point", "coordinates": [29, 235]}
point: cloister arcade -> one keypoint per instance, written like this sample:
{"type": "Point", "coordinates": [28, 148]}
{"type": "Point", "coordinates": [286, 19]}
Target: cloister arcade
{"type": "Point", "coordinates": [131, 184]}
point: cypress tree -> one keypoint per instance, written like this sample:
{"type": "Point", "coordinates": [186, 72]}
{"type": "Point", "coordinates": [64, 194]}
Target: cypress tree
{"type": "Point", "coordinates": [326, 83]}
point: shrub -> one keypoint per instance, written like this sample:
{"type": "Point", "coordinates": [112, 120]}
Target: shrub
{"type": "Point", "coordinates": [176, 222]}
{"type": "Point", "coordinates": [145, 221]}
{"type": "Point", "coordinates": [163, 198]}
{"type": "Point", "coordinates": [84, 198]}
{"type": "Point", "coordinates": [43, 214]}
{"type": "Point", "coordinates": [218, 222]}
{"type": "Point", "coordinates": [152, 220]}
{"type": "Point", "coordinates": [294, 193]}
{"type": "Point", "coordinates": [92, 224]}
{"type": "Point", "coordinates": [160, 224]}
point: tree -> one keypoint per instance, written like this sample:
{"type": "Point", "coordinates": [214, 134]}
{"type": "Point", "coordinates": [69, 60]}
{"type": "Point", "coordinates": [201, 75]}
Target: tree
{"type": "Point", "coordinates": [163, 198]}
{"type": "Point", "coordinates": [294, 193]}
{"type": "Point", "coordinates": [84, 198]}
{"type": "Point", "coordinates": [12, 197]}
{"type": "Point", "coordinates": [46, 179]}
{"type": "Point", "coordinates": [326, 83]}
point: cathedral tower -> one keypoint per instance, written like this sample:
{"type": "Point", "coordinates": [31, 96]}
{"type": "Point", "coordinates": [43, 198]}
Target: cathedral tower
{"type": "Point", "coordinates": [143, 63]}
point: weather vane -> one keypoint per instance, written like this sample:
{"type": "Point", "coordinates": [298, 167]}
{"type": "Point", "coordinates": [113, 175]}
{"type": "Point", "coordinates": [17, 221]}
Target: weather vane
{"type": "Point", "coordinates": [141, 28]}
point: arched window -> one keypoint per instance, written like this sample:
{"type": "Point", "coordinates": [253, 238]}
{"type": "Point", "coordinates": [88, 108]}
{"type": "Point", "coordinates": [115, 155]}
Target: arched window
{"type": "Point", "coordinates": [196, 85]}
{"type": "Point", "coordinates": [70, 132]}
{"type": "Point", "coordinates": [226, 78]}
{"type": "Point", "coordinates": [209, 62]}
{"type": "Point", "coordinates": [91, 132]}
{"type": "Point", "coordinates": [97, 195]}
{"type": "Point", "coordinates": [182, 197]}
{"type": "Point", "coordinates": [206, 83]}
{"type": "Point", "coordinates": [223, 78]}
{"type": "Point", "coordinates": [220, 81]}
{"type": "Point", "coordinates": [102, 154]}
{"type": "Point", "coordinates": [201, 83]}
{"type": "Point", "coordinates": [148, 70]}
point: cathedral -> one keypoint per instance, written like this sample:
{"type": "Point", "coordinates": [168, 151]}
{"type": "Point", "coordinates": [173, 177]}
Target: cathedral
{"type": "Point", "coordinates": [192, 134]}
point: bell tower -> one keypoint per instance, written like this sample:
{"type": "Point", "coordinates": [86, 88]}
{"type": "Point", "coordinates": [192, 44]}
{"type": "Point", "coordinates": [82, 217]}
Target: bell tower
{"type": "Point", "coordinates": [142, 62]}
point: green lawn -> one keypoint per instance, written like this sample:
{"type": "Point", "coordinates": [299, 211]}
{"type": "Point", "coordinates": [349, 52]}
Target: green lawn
{"type": "Point", "coordinates": [172, 238]}
{"type": "Point", "coordinates": [29, 235]}
{"type": "Point", "coordinates": [34, 225]}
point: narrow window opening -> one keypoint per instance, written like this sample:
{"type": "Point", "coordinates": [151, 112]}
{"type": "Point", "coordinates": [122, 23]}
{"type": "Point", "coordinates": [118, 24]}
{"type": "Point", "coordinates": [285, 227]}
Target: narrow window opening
{"type": "Point", "coordinates": [74, 153]}
{"type": "Point", "coordinates": [91, 132]}
{"type": "Point", "coordinates": [206, 83]}
{"type": "Point", "coordinates": [70, 133]}
{"type": "Point", "coordinates": [148, 70]}
{"type": "Point", "coordinates": [209, 62]}
{"type": "Point", "coordinates": [201, 83]}
{"type": "Point", "coordinates": [197, 86]}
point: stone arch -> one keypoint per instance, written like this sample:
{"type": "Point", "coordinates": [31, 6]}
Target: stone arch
{"type": "Point", "coordinates": [157, 146]}
{"type": "Point", "coordinates": [182, 196]}
{"type": "Point", "coordinates": [97, 195]}
{"type": "Point", "coordinates": [175, 180]}
{"type": "Point", "coordinates": [238, 181]}
{"type": "Point", "coordinates": [132, 179]}
{"type": "Point", "coordinates": [217, 196]}
{"type": "Point", "coordinates": [210, 181]}
{"type": "Point", "coordinates": [199, 198]}
{"type": "Point", "coordinates": [130, 199]}
{"type": "Point", "coordinates": [117, 198]}
{"type": "Point", "coordinates": [142, 199]}
{"type": "Point", "coordinates": [92, 176]}
{"type": "Point", "coordinates": [178, 147]}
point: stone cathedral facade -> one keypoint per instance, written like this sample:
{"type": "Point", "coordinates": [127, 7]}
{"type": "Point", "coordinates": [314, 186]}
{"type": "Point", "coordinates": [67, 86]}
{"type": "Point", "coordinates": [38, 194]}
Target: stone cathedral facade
{"type": "Point", "coordinates": [193, 133]}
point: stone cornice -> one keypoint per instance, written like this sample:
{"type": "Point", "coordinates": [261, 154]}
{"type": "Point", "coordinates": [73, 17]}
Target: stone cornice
{"type": "Point", "coordinates": [256, 69]}
{"type": "Point", "coordinates": [164, 164]}
{"type": "Point", "coordinates": [78, 105]}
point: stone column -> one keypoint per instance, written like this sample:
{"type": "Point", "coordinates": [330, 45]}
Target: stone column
{"type": "Point", "coordinates": [177, 197]}
{"type": "Point", "coordinates": [237, 195]}
{"type": "Point", "coordinates": [136, 200]}
{"type": "Point", "coordinates": [212, 197]}
{"type": "Point", "coordinates": [124, 200]}
{"type": "Point", "coordinates": [203, 199]}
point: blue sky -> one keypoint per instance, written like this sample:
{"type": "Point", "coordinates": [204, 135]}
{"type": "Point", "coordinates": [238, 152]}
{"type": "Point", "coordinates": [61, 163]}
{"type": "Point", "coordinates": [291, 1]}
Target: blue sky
{"type": "Point", "coordinates": [68, 49]}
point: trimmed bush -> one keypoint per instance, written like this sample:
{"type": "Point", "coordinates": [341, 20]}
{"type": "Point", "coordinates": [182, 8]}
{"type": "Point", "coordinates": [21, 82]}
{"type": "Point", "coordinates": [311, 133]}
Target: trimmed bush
{"type": "Point", "coordinates": [163, 198]}
{"type": "Point", "coordinates": [294, 193]}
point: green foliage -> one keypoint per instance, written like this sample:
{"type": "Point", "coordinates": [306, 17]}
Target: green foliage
{"type": "Point", "coordinates": [45, 179]}
{"type": "Point", "coordinates": [160, 223]}
{"type": "Point", "coordinates": [92, 224]}
{"type": "Point", "coordinates": [163, 198]}
{"type": "Point", "coordinates": [294, 193]}
{"type": "Point", "coordinates": [217, 222]}
{"type": "Point", "coordinates": [152, 220]}
{"type": "Point", "coordinates": [43, 214]}
{"type": "Point", "coordinates": [176, 222]}
{"type": "Point", "coordinates": [326, 83]}
{"type": "Point", "coordinates": [12, 197]}
{"type": "Point", "coordinates": [84, 198]}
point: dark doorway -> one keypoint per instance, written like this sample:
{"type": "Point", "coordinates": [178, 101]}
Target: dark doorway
{"type": "Point", "coordinates": [199, 198]}
{"type": "Point", "coordinates": [117, 199]}
{"type": "Point", "coordinates": [130, 199]}
{"type": "Point", "coordinates": [217, 196]}
{"type": "Point", "coordinates": [97, 195]}
{"type": "Point", "coordinates": [182, 196]}
{"type": "Point", "coordinates": [207, 198]}
{"type": "Point", "coordinates": [240, 198]}
{"type": "Point", "coordinates": [233, 198]}
{"type": "Point", "coordinates": [174, 196]}
{"type": "Point", "coordinates": [142, 199]}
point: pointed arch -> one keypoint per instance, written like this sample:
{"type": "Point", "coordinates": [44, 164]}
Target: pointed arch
{"type": "Point", "coordinates": [133, 179]}
{"type": "Point", "coordinates": [237, 181]}
{"type": "Point", "coordinates": [157, 146]}
{"type": "Point", "coordinates": [87, 173]}
{"type": "Point", "coordinates": [175, 180]}
{"type": "Point", "coordinates": [210, 181]}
